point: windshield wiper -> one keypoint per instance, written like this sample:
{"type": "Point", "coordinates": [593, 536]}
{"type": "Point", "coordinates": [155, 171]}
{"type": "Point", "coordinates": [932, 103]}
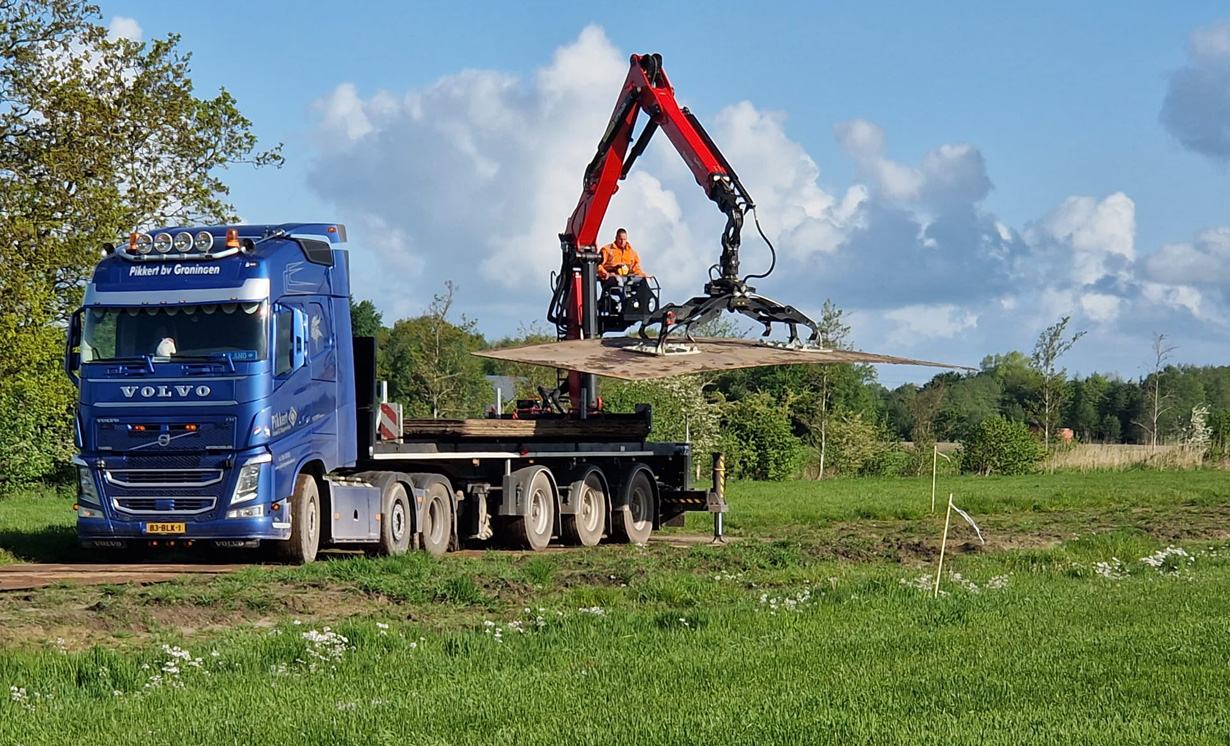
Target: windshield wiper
{"type": "Point", "coordinates": [210, 358]}
{"type": "Point", "coordinates": [146, 360]}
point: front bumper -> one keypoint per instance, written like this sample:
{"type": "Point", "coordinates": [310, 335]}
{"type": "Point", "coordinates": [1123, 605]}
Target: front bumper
{"type": "Point", "coordinates": [90, 529]}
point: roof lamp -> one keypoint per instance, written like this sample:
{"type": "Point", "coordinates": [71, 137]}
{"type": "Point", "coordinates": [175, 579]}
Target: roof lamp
{"type": "Point", "coordinates": [183, 242]}
{"type": "Point", "coordinates": [162, 243]}
{"type": "Point", "coordinates": [143, 243]}
{"type": "Point", "coordinates": [204, 242]}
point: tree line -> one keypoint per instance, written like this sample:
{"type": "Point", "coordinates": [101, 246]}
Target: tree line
{"type": "Point", "coordinates": [833, 420]}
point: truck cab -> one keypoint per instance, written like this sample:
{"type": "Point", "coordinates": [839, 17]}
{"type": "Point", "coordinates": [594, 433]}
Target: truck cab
{"type": "Point", "coordinates": [215, 367]}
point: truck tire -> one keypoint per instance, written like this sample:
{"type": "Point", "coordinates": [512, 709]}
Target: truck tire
{"type": "Point", "coordinates": [533, 530]}
{"type": "Point", "coordinates": [632, 522]}
{"type": "Point", "coordinates": [437, 528]}
{"type": "Point", "coordinates": [395, 519]}
{"type": "Point", "coordinates": [304, 512]}
{"type": "Point", "coordinates": [586, 526]}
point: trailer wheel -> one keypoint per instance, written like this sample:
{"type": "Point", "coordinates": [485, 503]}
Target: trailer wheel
{"type": "Point", "coordinates": [304, 512]}
{"type": "Point", "coordinates": [437, 519]}
{"type": "Point", "coordinates": [533, 530]}
{"type": "Point", "coordinates": [633, 521]}
{"type": "Point", "coordinates": [585, 528]}
{"type": "Point", "coordinates": [395, 523]}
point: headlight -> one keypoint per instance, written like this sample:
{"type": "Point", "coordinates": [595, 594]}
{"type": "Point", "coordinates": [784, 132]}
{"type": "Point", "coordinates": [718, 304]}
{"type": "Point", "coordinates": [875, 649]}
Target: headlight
{"type": "Point", "coordinates": [85, 486]}
{"type": "Point", "coordinates": [248, 483]}
{"type": "Point", "coordinates": [84, 512]}
{"type": "Point", "coordinates": [252, 511]}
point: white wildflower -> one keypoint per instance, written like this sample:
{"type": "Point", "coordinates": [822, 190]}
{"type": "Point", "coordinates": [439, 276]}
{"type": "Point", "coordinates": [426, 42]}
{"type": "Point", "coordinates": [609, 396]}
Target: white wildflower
{"type": "Point", "coordinates": [1113, 570]}
{"type": "Point", "coordinates": [1168, 560]}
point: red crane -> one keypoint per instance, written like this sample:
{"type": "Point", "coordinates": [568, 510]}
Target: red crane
{"type": "Point", "coordinates": [575, 307]}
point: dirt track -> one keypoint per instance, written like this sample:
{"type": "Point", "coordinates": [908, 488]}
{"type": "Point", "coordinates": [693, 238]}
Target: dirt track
{"type": "Point", "coordinates": [22, 577]}
{"type": "Point", "coordinates": [26, 576]}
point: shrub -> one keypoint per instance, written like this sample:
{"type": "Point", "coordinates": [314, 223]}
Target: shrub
{"type": "Point", "coordinates": [850, 443]}
{"type": "Point", "coordinates": [999, 446]}
{"type": "Point", "coordinates": [758, 440]}
{"type": "Point", "coordinates": [893, 462]}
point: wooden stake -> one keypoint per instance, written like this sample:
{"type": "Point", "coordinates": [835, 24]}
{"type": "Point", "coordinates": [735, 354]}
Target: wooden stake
{"type": "Point", "coordinates": [935, 460]}
{"type": "Point", "coordinates": [943, 546]}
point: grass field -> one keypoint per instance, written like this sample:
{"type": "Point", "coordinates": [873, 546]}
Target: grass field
{"type": "Point", "coordinates": [1073, 624]}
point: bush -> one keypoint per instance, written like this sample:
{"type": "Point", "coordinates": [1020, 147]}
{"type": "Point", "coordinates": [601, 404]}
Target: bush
{"type": "Point", "coordinates": [999, 446]}
{"type": "Point", "coordinates": [890, 463]}
{"type": "Point", "coordinates": [850, 444]}
{"type": "Point", "coordinates": [758, 440]}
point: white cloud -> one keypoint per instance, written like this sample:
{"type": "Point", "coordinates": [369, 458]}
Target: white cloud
{"type": "Point", "coordinates": [947, 176]}
{"type": "Point", "coordinates": [472, 178]}
{"type": "Point", "coordinates": [1196, 110]}
{"type": "Point", "coordinates": [1086, 238]}
{"type": "Point", "coordinates": [124, 28]}
{"type": "Point", "coordinates": [929, 322]}
{"type": "Point", "coordinates": [480, 170]}
{"type": "Point", "coordinates": [1203, 261]}
{"type": "Point", "coordinates": [1101, 307]}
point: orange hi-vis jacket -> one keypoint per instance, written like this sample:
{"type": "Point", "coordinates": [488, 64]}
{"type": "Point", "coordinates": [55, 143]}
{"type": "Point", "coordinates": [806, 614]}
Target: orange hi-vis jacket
{"type": "Point", "coordinates": [613, 256]}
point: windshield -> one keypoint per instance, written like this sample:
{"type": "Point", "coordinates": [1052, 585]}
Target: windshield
{"type": "Point", "coordinates": [236, 330]}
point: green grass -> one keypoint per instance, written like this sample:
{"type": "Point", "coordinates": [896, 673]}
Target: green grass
{"type": "Point", "coordinates": [695, 645]}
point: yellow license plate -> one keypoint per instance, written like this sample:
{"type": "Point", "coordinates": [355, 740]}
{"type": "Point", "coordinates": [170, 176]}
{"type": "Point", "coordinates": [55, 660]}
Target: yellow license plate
{"type": "Point", "coordinates": [164, 528]}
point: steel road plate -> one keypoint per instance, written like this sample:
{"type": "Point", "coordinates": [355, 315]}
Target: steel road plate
{"type": "Point", "coordinates": [626, 358]}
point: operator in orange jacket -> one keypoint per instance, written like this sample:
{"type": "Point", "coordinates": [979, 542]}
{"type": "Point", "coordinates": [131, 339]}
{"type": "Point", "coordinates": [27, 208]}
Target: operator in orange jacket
{"type": "Point", "coordinates": [620, 258]}
{"type": "Point", "coordinates": [622, 278]}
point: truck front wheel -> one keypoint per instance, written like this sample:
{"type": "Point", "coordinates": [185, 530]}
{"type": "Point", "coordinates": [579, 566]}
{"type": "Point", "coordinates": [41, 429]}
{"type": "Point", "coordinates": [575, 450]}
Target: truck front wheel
{"type": "Point", "coordinates": [304, 512]}
{"type": "Point", "coordinates": [395, 520]}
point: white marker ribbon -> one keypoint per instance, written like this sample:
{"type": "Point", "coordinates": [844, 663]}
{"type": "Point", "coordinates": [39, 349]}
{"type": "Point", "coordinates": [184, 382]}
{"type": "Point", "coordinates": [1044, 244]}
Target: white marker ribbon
{"type": "Point", "coordinates": [969, 520]}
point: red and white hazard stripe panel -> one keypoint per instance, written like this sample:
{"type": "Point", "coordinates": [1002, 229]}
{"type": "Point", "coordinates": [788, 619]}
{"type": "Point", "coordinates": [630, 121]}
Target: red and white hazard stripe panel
{"type": "Point", "coordinates": [388, 426]}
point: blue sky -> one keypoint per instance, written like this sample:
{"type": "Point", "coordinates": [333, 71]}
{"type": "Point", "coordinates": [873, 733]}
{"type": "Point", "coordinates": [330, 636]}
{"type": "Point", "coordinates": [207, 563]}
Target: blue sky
{"type": "Point", "coordinates": [955, 177]}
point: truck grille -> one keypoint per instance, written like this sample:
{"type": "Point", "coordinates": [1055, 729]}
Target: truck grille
{"type": "Point", "coordinates": [165, 505]}
{"type": "Point", "coordinates": [166, 484]}
{"type": "Point", "coordinates": [151, 438]}
{"type": "Point", "coordinates": [163, 477]}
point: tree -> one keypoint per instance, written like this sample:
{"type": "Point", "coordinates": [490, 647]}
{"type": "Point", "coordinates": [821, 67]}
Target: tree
{"type": "Point", "coordinates": [526, 378]}
{"type": "Point", "coordinates": [833, 334]}
{"type": "Point", "coordinates": [1088, 398]}
{"type": "Point", "coordinates": [758, 440]}
{"type": "Point", "coordinates": [98, 136]}
{"type": "Point", "coordinates": [680, 410]}
{"type": "Point", "coordinates": [1051, 346]}
{"type": "Point", "coordinates": [365, 320]}
{"type": "Point", "coordinates": [1158, 401]}
{"type": "Point", "coordinates": [924, 408]}
{"type": "Point", "coordinates": [430, 368]}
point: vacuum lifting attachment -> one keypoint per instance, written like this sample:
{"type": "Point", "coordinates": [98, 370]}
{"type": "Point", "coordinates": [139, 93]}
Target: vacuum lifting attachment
{"type": "Point", "coordinates": [576, 309]}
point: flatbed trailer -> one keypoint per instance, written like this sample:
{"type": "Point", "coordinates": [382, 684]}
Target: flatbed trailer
{"type": "Point", "coordinates": [514, 481]}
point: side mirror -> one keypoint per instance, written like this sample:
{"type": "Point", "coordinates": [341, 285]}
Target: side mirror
{"type": "Point", "coordinates": [299, 346]}
{"type": "Point", "coordinates": [72, 348]}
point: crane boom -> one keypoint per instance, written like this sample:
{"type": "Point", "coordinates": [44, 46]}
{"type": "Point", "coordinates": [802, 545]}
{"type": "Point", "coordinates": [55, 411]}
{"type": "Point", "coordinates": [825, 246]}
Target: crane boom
{"type": "Point", "coordinates": [574, 303]}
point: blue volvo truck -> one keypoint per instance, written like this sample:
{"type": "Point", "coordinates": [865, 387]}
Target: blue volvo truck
{"type": "Point", "coordinates": [224, 401]}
